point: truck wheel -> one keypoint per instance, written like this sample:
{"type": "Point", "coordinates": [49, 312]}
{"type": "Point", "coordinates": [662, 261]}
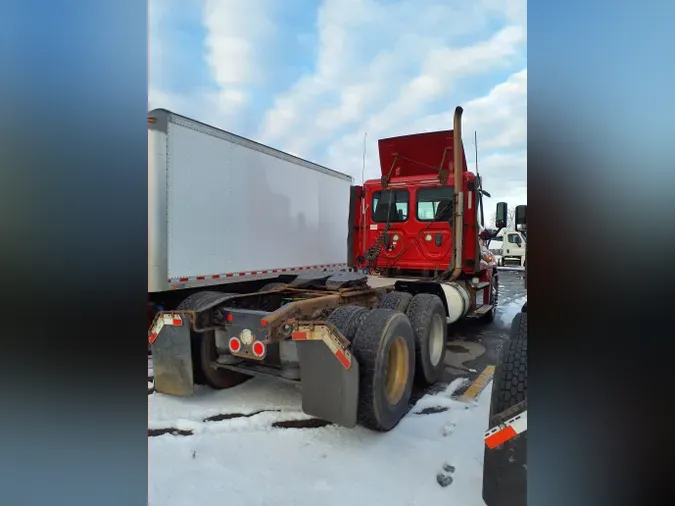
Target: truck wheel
{"type": "Point", "coordinates": [494, 299]}
{"type": "Point", "coordinates": [398, 301]}
{"type": "Point", "coordinates": [204, 349]}
{"type": "Point", "coordinates": [428, 319]}
{"type": "Point", "coordinates": [510, 380]}
{"type": "Point", "coordinates": [504, 472]}
{"type": "Point", "coordinates": [347, 321]}
{"type": "Point", "coordinates": [385, 349]}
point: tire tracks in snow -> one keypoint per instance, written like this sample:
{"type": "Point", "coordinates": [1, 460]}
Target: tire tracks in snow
{"type": "Point", "coordinates": [292, 423]}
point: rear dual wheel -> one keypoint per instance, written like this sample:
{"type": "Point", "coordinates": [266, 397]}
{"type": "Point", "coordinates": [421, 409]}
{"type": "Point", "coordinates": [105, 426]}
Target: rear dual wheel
{"type": "Point", "coordinates": [428, 319]}
{"type": "Point", "coordinates": [383, 343]}
{"type": "Point", "coordinates": [204, 351]}
{"type": "Point", "coordinates": [384, 346]}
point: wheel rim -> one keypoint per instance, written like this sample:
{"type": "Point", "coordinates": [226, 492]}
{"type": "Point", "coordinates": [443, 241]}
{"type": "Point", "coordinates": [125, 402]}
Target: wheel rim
{"type": "Point", "coordinates": [436, 340]}
{"type": "Point", "coordinates": [397, 371]}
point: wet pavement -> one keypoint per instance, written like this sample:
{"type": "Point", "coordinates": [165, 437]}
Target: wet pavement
{"type": "Point", "coordinates": [474, 345]}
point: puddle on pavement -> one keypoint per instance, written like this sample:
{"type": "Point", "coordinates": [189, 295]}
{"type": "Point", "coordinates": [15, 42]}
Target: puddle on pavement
{"type": "Point", "coordinates": [455, 348]}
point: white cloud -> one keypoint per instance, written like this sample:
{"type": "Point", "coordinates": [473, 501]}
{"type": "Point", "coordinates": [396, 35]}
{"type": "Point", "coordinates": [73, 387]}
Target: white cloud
{"type": "Point", "coordinates": [388, 68]}
{"type": "Point", "coordinates": [236, 34]}
{"type": "Point", "coordinates": [424, 48]}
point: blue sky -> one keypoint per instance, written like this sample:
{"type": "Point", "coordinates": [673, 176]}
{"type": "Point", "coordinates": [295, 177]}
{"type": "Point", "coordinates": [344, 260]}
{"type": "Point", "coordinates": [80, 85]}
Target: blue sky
{"type": "Point", "coordinates": [311, 78]}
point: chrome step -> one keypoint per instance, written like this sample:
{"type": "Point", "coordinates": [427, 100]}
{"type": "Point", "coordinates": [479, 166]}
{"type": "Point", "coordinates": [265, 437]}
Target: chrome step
{"type": "Point", "coordinates": [481, 311]}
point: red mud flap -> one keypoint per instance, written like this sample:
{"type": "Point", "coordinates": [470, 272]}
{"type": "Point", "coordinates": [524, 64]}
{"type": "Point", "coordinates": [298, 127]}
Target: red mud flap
{"type": "Point", "coordinates": [169, 340]}
{"type": "Point", "coordinates": [329, 374]}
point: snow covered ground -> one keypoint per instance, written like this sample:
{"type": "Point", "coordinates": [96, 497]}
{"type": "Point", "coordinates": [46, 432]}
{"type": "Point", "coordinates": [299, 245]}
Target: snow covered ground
{"type": "Point", "coordinates": [252, 446]}
{"type": "Point", "coordinates": [241, 458]}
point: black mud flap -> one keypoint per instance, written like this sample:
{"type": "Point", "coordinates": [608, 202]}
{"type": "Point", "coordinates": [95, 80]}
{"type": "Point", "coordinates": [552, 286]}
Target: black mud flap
{"type": "Point", "coordinates": [329, 391]}
{"type": "Point", "coordinates": [505, 474]}
{"type": "Point", "coordinates": [172, 360]}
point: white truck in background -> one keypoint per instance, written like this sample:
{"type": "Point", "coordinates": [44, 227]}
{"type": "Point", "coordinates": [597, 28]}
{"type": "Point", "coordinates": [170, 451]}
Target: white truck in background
{"type": "Point", "coordinates": [509, 247]}
{"type": "Point", "coordinates": [228, 214]}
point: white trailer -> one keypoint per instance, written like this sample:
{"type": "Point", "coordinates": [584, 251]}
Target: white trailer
{"type": "Point", "coordinates": [225, 210]}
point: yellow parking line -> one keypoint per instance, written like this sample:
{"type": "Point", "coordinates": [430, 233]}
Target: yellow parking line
{"type": "Point", "coordinates": [478, 385]}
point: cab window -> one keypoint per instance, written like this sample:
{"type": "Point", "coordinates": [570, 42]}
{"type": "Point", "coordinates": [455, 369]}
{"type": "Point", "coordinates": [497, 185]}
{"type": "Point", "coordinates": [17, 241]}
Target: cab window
{"type": "Point", "coordinates": [515, 239]}
{"type": "Point", "coordinates": [435, 203]}
{"type": "Point", "coordinates": [390, 206]}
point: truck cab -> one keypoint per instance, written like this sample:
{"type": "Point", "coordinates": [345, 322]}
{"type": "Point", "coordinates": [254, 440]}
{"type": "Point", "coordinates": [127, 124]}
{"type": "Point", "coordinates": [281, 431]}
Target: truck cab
{"type": "Point", "coordinates": [509, 247]}
{"type": "Point", "coordinates": [405, 223]}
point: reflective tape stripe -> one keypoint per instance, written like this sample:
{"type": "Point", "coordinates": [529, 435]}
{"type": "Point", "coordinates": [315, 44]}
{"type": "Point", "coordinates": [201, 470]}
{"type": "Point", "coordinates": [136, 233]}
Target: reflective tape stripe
{"type": "Point", "coordinates": [164, 319]}
{"type": "Point", "coordinates": [203, 277]}
{"type": "Point", "coordinates": [508, 430]}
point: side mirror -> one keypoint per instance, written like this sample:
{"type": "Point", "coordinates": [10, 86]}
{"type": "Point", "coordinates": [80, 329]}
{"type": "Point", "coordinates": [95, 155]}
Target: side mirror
{"type": "Point", "coordinates": [521, 216]}
{"type": "Point", "coordinates": [501, 216]}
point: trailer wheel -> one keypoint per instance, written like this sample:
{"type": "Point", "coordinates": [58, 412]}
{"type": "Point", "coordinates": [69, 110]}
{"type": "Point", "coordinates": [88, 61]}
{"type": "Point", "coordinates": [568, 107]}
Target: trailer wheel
{"type": "Point", "coordinates": [428, 319]}
{"type": "Point", "coordinates": [347, 321]}
{"type": "Point", "coordinates": [504, 469]}
{"type": "Point", "coordinates": [385, 348]}
{"type": "Point", "coordinates": [204, 349]}
{"type": "Point", "coordinates": [494, 299]}
{"type": "Point", "coordinates": [398, 301]}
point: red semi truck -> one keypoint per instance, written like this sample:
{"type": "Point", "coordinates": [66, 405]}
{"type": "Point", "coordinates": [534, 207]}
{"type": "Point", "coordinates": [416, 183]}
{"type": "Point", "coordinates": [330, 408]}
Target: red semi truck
{"type": "Point", "coordinates": [355, 339]}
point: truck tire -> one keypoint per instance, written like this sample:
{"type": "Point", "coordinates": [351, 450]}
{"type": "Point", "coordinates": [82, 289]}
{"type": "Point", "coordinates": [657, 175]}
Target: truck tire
{"type": "Point", "coordinates": [428, 319]}
{"type": "Point", "coordinates": [504, 468]}
{"type": "Point", "coordinates": [510, 380]}
{"type": "Point", "coordinates": [204, 349]}
{"type": "Point", "coordinates": [489, 317]}
{"type": "Point", "coordinates": [398, 301]}
{"type": "Point", "coordinates": [347, 321]}
{"type": "Point", "coordinates": [385, 349]}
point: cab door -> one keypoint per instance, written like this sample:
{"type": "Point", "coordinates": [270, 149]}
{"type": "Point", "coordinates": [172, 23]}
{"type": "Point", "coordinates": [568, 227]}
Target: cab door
{"type": "Point", "coordinates": [514, 245]}
{"type": "Point", "coordinates": [433, 215]}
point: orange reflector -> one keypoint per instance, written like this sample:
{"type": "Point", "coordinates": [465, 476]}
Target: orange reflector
{"type": "Point", "coordinates": [263, 322]}
{"type": "Point", "coordinates": [152, 120]}
{"type": "Point", "coordinates": [299, 336]}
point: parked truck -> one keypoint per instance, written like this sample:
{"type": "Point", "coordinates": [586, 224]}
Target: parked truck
{"type": "Point", "coordinates": [505, 459]}
{"type": "Point", "coordinates": [509, 247]}
{"type": "Point", "coordinates": [355, 339]}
